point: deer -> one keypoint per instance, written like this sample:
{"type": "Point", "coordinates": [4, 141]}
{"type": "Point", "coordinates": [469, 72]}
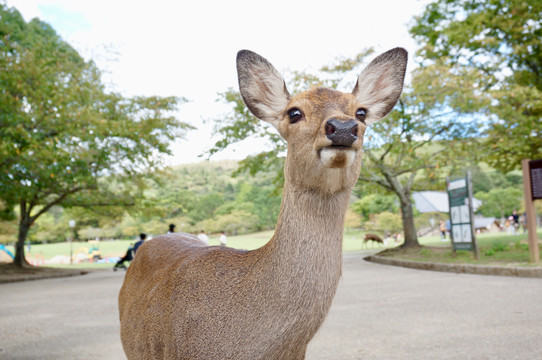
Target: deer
{"type": "Point", "coordinates": [372, 237]}
{"type": "Point", "coordinates": [182, 299]}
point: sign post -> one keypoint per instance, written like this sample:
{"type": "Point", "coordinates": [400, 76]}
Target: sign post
{"type": "Point", "coordinates": [461, 215]}
{"type": "Point", "coordinates": [71, 223]}
{"type": "Point", "coordinates": [532, 185]}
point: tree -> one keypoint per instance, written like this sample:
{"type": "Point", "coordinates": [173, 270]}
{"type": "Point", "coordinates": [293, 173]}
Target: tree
{"type": "Point", "coordinates": [375, 203]}
{"type": "Point", "coordinates": [235, 222]}
{"type": "Point", "coordinates": [413, 149]}
{"type": "Point", "coordinates": [65, 140]}
{"type": "Point", "coordinates": [386, 223]}
{"type": "Point", "coordinates": [499, 40]}
{"type": "Point", "coordinates": [499, 202]}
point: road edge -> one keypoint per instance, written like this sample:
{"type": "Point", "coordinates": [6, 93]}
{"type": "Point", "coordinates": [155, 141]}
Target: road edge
{"type": "Point", "coordinates": [458, 268]}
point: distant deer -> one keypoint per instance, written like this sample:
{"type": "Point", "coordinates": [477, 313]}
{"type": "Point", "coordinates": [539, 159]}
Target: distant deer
{"type": "Point", "coordinates": [182, 299]}
{"type": "Point", "coordinates": [372, 237]}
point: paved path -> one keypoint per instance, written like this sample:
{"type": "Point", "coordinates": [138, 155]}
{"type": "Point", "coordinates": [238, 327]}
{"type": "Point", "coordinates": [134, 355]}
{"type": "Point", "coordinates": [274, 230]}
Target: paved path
{"type": "Point", "coordinates": [380, 312]}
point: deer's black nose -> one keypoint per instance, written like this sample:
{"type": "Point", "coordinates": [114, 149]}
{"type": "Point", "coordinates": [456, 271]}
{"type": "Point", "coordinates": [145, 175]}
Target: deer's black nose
{"type": "Point", "coordinates": [341, 133]}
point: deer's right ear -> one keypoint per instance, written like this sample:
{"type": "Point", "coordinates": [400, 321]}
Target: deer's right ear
{"type": "Point", "coordinates": [262, 87]}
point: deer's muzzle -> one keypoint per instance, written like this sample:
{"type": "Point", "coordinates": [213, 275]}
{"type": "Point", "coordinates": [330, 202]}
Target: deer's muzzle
{"type": "Point", "coordinates": [341, 133]}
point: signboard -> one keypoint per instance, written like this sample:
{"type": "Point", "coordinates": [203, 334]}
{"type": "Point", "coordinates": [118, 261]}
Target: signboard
{"type": "Point", "coordinates": [461, 219]}
{"type": "Point", "coordinates": [535, 171]}
{"type": "Point", "coordinates": [532, 189]}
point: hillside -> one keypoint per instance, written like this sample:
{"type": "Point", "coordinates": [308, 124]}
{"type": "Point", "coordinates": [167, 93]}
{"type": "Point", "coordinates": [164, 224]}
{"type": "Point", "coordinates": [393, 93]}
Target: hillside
{"type": "Point", "coordinates": [203, 196]}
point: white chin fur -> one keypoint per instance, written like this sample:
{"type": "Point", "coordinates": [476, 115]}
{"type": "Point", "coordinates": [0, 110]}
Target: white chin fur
{"type": "Point", "coordinates": [337, 158]}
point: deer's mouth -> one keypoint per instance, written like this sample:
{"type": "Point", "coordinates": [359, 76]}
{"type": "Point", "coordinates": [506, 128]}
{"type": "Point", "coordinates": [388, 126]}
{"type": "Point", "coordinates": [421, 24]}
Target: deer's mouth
{"type": "Point", "coordinates": [339, 147]}
{"type": "Point", "coordinates": [336, 156]}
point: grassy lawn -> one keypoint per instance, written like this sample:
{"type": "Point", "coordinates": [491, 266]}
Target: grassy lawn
{"type": "Point", "coordinates": [495, 249]}
{"type": "Point", "coordinates": [117, 248]}
{"type": "Point", "coordinates": [498, 249]}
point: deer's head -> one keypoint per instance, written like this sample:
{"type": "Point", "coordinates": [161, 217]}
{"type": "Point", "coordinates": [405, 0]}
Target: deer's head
{"type": "Point", "coordinates": [324, 128]}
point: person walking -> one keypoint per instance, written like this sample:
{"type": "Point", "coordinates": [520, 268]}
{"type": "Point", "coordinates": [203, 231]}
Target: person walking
{"type": "Point", "coordinates": [222, 238]}
{"type": "Point", "coordinates": [509, 224]}
{"type": "Point", "coordinates": [442, 227]}
{"type": "Point", "coordinates": [515, 218]}
{"type": "Point", "coordinates": [203, 237]}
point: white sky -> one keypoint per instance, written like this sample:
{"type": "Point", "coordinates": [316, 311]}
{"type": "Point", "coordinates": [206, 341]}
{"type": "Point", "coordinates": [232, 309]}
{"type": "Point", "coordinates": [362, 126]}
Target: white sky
{"type": "Point", "coordinates": [188, 48]}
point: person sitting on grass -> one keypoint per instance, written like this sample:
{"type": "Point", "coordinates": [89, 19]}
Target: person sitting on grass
{"type": "Point", "coordinates": [127, 257]}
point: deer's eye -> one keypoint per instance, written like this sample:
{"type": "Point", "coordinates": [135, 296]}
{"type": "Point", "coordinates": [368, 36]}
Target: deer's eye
{"type": "Point", "coordinates": [361, 115]}
{"type": "Point", "coordinates": [295, 115]}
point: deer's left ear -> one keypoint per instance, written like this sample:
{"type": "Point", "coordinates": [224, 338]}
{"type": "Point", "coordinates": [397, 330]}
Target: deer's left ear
{"type": "Point", "coordinates": [380, 84]}
{"type": "Point", "coordinates": [262, 87]}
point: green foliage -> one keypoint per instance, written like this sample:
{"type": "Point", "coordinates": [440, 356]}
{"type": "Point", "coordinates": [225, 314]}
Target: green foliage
{"type": "Point", "coordinates": [421, 142]}
{"type": "Point", "coordinates": [416, 146]}
{"type": "Point", "coordinates": [374, 204]}
{"type": "Point", "coordinates": [235, 205]}
{"type": "Point", "coordinates": [62, 132]}
{"type": "Point", "coordinates": [6, 212]}
{"type": "Point", "coordinates": [248, 204]}
{"type": "Point", "coordinates": [498, 41]}
{"type": "Point", "coordinates": [8, 231]}
{"type": "Point", "coordinates": [235, 222]}
{"type": "Point", "coordinates": [497, 247]}
{"type": "Point", "coordinates": [194, 197]}
{"type": "Point", "coordinates": [518, 245]}
{"type": "Point", "coordinates": [206, 193]}
{"type": "Point", "coordinates": [485, 180]}
{"type": "Point", "coordinates": [385, 223]}
{"type": "Point", "coordinates": [499, 202]}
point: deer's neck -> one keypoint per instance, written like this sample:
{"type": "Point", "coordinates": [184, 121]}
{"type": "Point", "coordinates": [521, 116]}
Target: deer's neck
{"type": "Point", "coordinates": [305, 253]}
{"type": "Point", "coordinates": [310, 222]}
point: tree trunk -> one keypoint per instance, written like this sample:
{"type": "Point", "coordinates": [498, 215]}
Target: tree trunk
{"type": "Point", "coordinates": [24, 227]}
{"type": "Point", "coordinates": [407, 215]}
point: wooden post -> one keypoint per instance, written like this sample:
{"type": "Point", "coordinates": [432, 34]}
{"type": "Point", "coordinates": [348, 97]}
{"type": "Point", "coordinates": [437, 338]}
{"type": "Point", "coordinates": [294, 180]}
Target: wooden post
{"type": "Point", "coordinates": [471, 216]}
{"type": "Point", "coordinates": [529, 208]}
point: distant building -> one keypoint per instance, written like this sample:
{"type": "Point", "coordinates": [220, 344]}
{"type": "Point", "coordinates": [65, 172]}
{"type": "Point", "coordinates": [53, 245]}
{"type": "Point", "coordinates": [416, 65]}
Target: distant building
{"type": "Point", "coordinates": [437, 201]}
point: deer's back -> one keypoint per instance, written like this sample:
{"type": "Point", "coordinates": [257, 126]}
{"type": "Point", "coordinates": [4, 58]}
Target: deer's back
{"type": "Point", "coordinates": [176, 294]}
{"type": "Point", "coordinates": [184, 300]}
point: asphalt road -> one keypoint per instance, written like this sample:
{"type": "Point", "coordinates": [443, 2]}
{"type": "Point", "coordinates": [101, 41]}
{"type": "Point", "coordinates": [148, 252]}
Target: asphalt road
{"type": "Point", "coordinates": [380, 312]}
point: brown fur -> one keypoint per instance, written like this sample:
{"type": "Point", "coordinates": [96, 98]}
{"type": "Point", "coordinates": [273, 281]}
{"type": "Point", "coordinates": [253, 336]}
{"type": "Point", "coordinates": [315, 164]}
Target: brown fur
{"type": "Point", "coordinates": [184, 300]}
{"type": "Point", "coordinates": [372, 237]}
